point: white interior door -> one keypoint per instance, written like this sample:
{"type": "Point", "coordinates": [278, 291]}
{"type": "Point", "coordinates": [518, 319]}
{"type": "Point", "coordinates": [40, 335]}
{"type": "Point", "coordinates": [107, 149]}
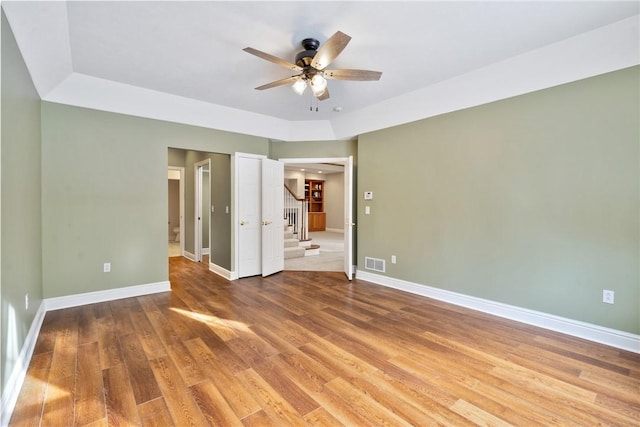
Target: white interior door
{"type": "Point", "coordinates": [272, 217]}
{"type": "Point", "coordinates": [249, 261]}
{"type": "Point", "coordinates": [348, 222]}
{"type": "Point", "coordinates": [197, 240]}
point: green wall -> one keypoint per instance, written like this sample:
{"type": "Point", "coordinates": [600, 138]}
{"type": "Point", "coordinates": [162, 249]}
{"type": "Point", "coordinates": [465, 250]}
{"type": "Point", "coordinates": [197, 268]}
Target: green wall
{"type": "Point", "coordinates": [104, 195]}
{"type": "Point", "coordinates": [220, 252]}
{"type": "Point", "coordinates": [20, 253]}
{"type": "Point", "coordinates": [532, 201]}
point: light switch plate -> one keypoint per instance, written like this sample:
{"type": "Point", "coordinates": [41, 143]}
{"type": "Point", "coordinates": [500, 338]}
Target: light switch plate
{"type": "Point", "coordinates": [368, 195]}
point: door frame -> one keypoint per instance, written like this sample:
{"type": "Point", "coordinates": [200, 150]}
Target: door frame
{"type": "Point", "coordinates": [197, 242]}
{"type": "Point", "coordinates": [181, 195]}
{"type": "Point", "coordinates": [348, 209]}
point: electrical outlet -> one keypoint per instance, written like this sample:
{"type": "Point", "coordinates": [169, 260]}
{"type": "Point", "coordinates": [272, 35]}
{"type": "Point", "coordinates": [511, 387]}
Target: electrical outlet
{"type": "Point", "coordinates": [608, 296]}
{"type": "Point", "coordinates": [26, 301]}
{"type": "Point", "coordinates": [393, 259]}
{"type": "Point", "coordinates": [106, 267]}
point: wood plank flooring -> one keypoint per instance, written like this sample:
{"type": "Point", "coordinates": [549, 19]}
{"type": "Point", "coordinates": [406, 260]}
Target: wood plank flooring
{"type": "Point", "coordinates": [310, 348]}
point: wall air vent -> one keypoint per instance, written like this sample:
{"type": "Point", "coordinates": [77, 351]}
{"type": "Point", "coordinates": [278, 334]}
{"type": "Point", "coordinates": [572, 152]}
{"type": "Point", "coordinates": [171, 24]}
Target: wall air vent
{"type": "Point", "coordinates": [375, 264]}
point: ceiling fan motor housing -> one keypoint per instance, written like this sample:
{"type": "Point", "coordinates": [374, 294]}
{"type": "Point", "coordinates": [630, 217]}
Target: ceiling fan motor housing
{"type": "Point", "coordinates": [304, 58]}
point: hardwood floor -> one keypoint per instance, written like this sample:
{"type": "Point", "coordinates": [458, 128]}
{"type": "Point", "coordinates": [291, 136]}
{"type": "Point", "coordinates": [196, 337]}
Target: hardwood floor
{"type": "Point", "coordinates": [311, 348]}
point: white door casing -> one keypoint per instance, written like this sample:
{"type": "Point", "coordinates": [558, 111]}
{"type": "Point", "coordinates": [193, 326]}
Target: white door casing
{"type": "Point", "coordinates": [272, 217]}
{"type": "Point", "coordinates": [198, 177]}
{"type": "Point", "coordinates": [348, 222]}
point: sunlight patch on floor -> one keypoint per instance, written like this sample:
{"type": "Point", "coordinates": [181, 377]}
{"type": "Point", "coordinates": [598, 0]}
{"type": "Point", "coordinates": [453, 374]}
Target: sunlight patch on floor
{"type": "Point", "coordinates": [213, 321]}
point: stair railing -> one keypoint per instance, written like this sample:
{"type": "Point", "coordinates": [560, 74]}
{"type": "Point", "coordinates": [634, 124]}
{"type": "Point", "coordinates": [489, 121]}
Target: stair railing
{"type": "Point", "coordinates": [295, 213]}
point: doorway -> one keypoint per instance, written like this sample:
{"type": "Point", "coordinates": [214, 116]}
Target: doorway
{"type": "Point", "coordinates": [342, 224]}
{"type": "Point", "coordinates": [202, 209]}
{"type": "Point", "coordinates": [175, 221]}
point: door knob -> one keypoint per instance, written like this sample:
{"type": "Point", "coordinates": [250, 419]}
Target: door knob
{"type": "Point", "coordinates": [266, 222]}
{"type": "Point", "coordinates": [243, 222]}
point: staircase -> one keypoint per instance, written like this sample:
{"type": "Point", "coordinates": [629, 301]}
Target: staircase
{"type": "Point", "coordinates": [294, 248]}
{"type": "Point", "coordinates": [296, 243]}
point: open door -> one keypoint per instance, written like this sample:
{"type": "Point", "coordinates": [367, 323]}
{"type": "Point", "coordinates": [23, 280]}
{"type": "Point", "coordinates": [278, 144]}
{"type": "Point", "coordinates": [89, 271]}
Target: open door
{"type": "Point", "coordinates": [272, 217]}
{"type": "Point", "coordinates": [348, 222]}
{"type": "Point", "coordinates": [248, 216]}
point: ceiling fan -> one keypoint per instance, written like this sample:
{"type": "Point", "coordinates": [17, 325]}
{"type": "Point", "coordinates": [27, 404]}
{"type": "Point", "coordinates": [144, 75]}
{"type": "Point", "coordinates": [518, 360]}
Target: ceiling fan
{"type": "Point", "coordinates": [311, 65]}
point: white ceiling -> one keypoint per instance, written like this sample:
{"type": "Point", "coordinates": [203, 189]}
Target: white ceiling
{"type": "Point", "coordinates": [183, 61]}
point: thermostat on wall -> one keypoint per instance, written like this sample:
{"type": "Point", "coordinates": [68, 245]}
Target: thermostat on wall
{"type": "Point", "coordinates": [368, 195]}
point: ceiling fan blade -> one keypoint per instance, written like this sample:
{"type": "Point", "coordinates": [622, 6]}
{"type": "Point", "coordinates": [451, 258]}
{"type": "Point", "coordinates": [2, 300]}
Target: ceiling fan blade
{"type": "Point", "coordinates": [330, 50]}
{"type": "Point", "coordinates": [278, 83]}
{"type": "Point", "coordinates": [271, 58]}
{"type": "Point", "coordinates": [325, 95]}
{"type": "Point", "coordinates": [359, 75]}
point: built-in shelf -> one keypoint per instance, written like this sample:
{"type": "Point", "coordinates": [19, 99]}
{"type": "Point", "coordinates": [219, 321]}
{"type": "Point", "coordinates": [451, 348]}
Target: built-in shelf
{"type": "Point", "coordinates": [314, 195]}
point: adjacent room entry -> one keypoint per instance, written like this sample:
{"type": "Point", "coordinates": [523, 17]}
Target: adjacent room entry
{"type": "Point", "coordinates": [176, 211]}
{"type": "Point", "coordinates": [202, 208]}
{"type": "Point", "coordinates": [348, 223]}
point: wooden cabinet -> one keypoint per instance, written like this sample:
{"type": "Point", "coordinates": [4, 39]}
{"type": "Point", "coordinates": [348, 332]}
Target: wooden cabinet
{"type": "Point", "coordinates": [314, 194]}
{"type": "Point", "coordinates": [317, 221]}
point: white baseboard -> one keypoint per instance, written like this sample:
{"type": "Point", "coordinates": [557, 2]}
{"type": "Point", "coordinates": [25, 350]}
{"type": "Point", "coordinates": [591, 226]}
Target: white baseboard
{"type": "Point", "coordinates": [106, 295]}
{"type": "Point", "coordinates": [190, 256]}
{"type": "Point", "coordinates": [19, 372]}
{"type": "Point", "coordinates": [220, 271]}
{"type": "Point", "coordinates": [205, 251]}
{"type": "Point", "coordinates": [334, 230]}
{"type": "Point", "coordinates": [16, 379]}
{"type": "Point", "coordinates": [576, 328]}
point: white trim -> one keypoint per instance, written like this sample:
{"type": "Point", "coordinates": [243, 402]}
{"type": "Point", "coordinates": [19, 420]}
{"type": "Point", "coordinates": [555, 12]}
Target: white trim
{"type": "Point", "coordinates": [106, 295]}
{"type": "Point", "coordinates": [198, 169]}
{"type": "Point", "coordinates": [313, 159]}
{"type": "Point", "coordinates": [600, 334]}
{"type": "Point", "coordinates": [188, 255]}
{"type": "Point", "coordinates": [220, 271]}
{"type": "Point", "coordinates": [19, 372]}
{"type": "Point", "coordinates": [205, 251]}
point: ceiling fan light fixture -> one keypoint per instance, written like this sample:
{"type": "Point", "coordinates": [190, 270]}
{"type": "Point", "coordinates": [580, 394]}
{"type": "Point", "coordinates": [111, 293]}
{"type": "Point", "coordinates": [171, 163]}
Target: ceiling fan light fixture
{"type": "Point", "coordinates": [318, 84]}
{"type": "Point", "coordinates": [299, 86]}
{"type": "Point", "coordinates": [312, 65]}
